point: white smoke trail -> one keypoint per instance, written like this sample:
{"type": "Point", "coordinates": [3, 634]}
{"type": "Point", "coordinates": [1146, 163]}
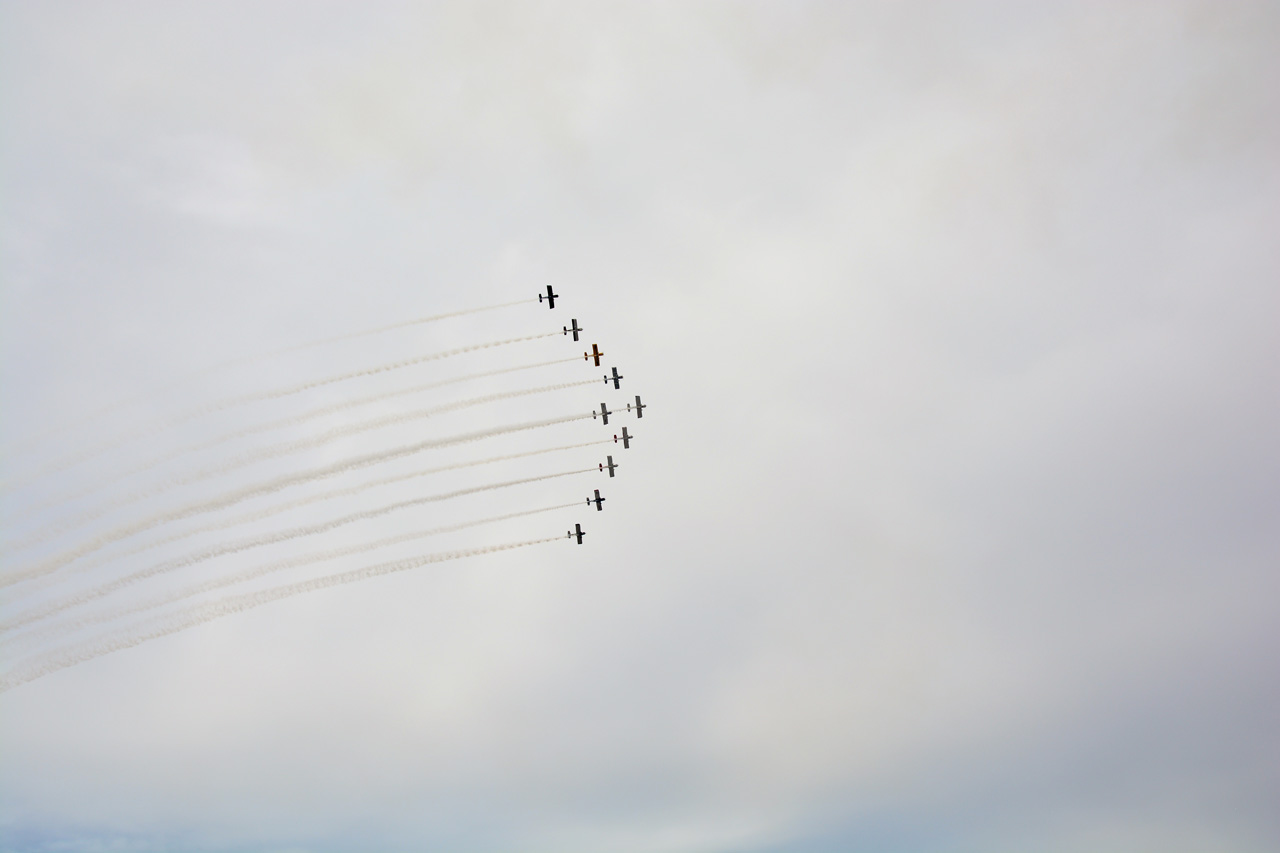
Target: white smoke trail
{"type": "Point", "coordinates": [267, 512]}
{"type": "Point", "coordinates": [370, 371]}
{"type": "Point", "coordinates": [275, 451]}
{"type": "Point", "coordinates": [380, 329]}
{"type": "Point", "coordinates": [96, 414]}
{"type": "Point", "coordinates": [235, 604]}
{"type": "Point", "coordinates": [274, 485]}
{"type": "Point", "coordinates": [55, 607]}
{"type": "Point", "coordinates": [71, 626]}
{"type": "Point", "coordinates": [274, 394]}
{"type": "Point", "coordinates": [279, 423]}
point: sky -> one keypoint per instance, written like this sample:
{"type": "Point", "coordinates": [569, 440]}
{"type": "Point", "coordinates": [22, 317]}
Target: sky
{"type": "Point", "coordinates": [950, 524]}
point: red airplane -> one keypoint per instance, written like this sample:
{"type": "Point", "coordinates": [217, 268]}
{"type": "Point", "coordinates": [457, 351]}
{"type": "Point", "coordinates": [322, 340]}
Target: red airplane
{"type": "Point", "coordinates": [595, 353]}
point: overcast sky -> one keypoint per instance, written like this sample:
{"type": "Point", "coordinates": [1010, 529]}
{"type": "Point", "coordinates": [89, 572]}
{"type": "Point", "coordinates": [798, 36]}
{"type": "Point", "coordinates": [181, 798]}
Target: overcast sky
{"type": "Point", "coordinates": [951, 526]}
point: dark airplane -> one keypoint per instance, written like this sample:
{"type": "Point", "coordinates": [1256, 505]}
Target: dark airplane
{"type": "Point", "coordinates": [597, 500]}
{"type": "Point", "coordinates": [610, 466]}
{"type": "Point", "coordinates": [550, 297]}
{"type": "Point", "coordinates": [640, 407]}
{"type": "Point", "coordinates": [595, 353]}
{"type": "Point", "coordinates": [578, 532]}
{"type": "Point", "coordinates": [614, 379]}
{"type": "Point", "coordinates": [626, 439]}
{"type": "Point", "coordinates": [604, 413]}
{"type": "Point", "coordinates": [575, 328]}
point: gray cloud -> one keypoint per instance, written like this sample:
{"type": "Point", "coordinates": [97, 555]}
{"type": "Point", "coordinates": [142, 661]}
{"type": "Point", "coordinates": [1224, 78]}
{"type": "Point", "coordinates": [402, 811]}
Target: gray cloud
{"type": "Point", "coordinates": [950, 525]}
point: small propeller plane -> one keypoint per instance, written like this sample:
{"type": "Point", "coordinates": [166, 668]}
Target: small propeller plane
{"type": "Point", "coordinates": [603, 413]}
{"type": "Point", "coordinates": [640, 407]}
{"type": "Point", "coordinates": [597, 500]}
{"type": "Point", "coordinates": [626, 439]}
{"type": "Point", "coordinates": [550, 297]}
{"type": "Point", "coordinates": [595, 353]}
{"type": "Point", "coordinates": [614, 378]}
{"type": "Point", "coordinates": [578, 532]}
{"type": "Point", "coordinates": [611, 466]}
{"type": "Point", "coordinates": [573, 327]}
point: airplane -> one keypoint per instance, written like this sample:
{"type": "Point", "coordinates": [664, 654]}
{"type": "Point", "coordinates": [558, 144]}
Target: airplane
{"type": "Point", "coordinates": [604, 413]}
{"type": "Point", "coordinates": [614, 379]}
{"type": "Point", "coordinates": [597, 500]}
{"type": "Point", "coordinates": [579, 533]}
{"type": "Point", "coordinates": [626, 439]}
{"type": "Point", "coordinates": [595, 353]}
{"type": "Point", "coordinates": [575, 328]}
{"type": "Point", "coordinates": [550, 297]}
{"type": "Point", "coordinates": [610, 466]}
{"type": "Point", "coordinates": [640, 407]}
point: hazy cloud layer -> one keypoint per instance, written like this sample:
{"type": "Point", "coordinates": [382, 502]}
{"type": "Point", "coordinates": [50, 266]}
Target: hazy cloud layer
{"type": "Point", "coordinates": [951, 526]}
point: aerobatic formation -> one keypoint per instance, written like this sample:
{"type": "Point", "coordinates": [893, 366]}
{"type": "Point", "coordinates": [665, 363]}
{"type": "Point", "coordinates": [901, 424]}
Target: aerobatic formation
{"type": "Point", "coordinates": [234, 503]}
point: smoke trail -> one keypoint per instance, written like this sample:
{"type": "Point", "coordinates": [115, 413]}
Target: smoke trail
{"type": "Point", "coordinates": [281, 449]}
{"type": "Point", "coordinates": [285, 535]}
{"type": "Point", "coordinates": [380, 329]}
{"type": "Point", "coordinates": [113, 407]}
{"type": "Point", "coordinates": [267, 512]}
{"type": "Point", "coordinates": [237, 604]}
{"type": "Point", "coordinates": [370, 371]}
{"type": "Point", "coordinates": [70, 626]}
{"type": "Point", "coordinates": [286, 391]}
{"type": "Point", "coordinates": [292, 420]}
{"type": "Point", "coordinates": [267, 487]}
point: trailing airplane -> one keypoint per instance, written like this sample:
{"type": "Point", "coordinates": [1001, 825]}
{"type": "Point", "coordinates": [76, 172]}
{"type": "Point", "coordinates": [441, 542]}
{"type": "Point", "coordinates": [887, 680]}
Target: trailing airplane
{"type": "Point", "coordinates": [626, 439]}
{"type": "Point", "coordinates": [597, 500]}
{"type": "Point", "coordinates": [604, 413]}
{"type": "Point", "coordinates": [614, 379]}
{"type": "Point", "coordinates": [578, 532]}
{"type": "Point", "coordinates": [550, 297]}
{"type": "Point", "coordinates": [640, 407]}
{"type": "Point", "coordinates": [610, 466]}
{"type": "Point", "coordinates": [575, 328]}
{"type": "Point", "coordinates": [595, 353]}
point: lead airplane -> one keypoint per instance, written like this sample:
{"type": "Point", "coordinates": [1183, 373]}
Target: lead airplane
{"type": "Point", "coordinates": [640, 407]}
{"type": "Point", "coordinates": [626, 439]}
{"type": "Point", "coordinates": [614, 379]}
{"type": "Point", "coordinates": [575, 328]}
{"type": "Point", "coordinates": [610, 466]}
{"type": "Point", "coordinates": [603, 413]}
{"type": "Point", "coordinates": [578, 532]}
{"type": "Point", "coordinates": [597, 500]}
{"type": "Point", "coordinates": [550, 297]}
{"type": "Point", "coordinates": [595, 353]}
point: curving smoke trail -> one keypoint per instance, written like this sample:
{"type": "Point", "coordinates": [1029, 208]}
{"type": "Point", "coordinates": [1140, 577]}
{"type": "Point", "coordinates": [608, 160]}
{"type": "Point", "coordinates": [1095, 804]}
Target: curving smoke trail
{"type": "Point", "coordinates": [283, 449]}
{"type": "Point", "coordinates": [279, 423]}
{"type": "Point", "coordinates": [235, 604]}
{"type": "Point", "coordinates": [264, 488]}
{"type": "Point", "coordinates": [54, 607]}
{"type": "Point", "coordinates": [267, 512]}
{"type": "Point", "coordinates": [274, 394]}
{"type": "Point", "coordinates": [370, 371]}
{"type": "Point", "coordinates": [380, 329]}
{"type": "Point", "coordinates": [94, 415]}
{"type": "Point", "coordinates": [102, 616]}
